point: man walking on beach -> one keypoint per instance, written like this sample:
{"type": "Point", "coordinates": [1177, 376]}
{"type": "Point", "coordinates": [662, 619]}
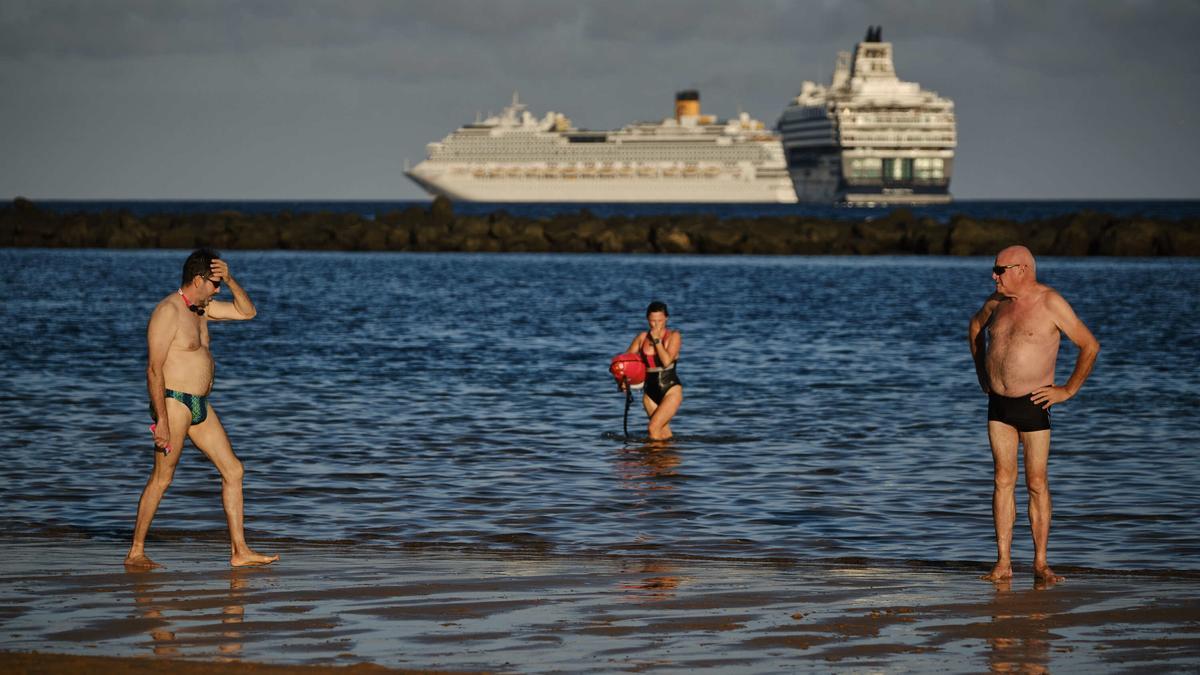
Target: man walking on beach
{"type": "Point", "coordinates": [179, 377]}
{"type": "Point", "coordinates": [1014, 340]}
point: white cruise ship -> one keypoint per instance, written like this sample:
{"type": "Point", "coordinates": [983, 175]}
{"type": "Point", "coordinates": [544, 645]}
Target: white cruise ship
{"type": "Point", "coordinates": [517, 157]}
{"type": "Point", "coordinates": [869, 137]}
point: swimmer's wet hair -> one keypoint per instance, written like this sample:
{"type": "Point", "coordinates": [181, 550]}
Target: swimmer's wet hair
{"type": "Point", "coordinates": [197, 264]}
{"type": "Point", "coordinates": [657, 306]}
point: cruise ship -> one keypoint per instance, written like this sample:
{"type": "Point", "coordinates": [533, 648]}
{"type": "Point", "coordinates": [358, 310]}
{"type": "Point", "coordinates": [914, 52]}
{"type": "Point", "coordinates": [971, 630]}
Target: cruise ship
{"type": "Point", "coordinates": [869, 138]}
{"type": "Point", "coordinates": [519, 157]}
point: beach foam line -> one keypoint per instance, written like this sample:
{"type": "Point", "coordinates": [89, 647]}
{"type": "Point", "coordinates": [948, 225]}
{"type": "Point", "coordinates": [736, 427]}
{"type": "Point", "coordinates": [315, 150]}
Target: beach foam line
{"type": "Point", "coordinates": [528, 546]}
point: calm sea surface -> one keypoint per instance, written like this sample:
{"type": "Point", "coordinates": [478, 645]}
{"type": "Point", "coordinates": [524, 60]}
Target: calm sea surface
{"type": "Point", "coordinates": [830, 406]}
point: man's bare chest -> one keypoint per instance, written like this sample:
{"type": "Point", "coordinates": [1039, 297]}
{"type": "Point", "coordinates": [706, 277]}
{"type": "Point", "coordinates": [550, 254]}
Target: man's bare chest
{"type": "Point", "coordinates": [192, 336]}
{"type": "Point", "coordinates": [1013, 322]}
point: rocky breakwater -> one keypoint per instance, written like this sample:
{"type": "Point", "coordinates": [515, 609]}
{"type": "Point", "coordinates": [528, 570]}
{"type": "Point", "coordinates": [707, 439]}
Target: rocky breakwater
{"type": "Point", "coordinates": [438, 228]}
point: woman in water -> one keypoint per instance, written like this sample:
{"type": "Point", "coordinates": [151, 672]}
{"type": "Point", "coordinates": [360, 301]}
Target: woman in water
{"type": "Point", "coordinates": [659, 349]}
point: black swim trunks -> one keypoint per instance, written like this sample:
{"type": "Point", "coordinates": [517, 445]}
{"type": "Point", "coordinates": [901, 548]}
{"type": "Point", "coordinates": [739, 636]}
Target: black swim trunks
{"type": "Point", "coordinates": [1020, 412]}
{"type": "Point", "coordinates": [659, 381]}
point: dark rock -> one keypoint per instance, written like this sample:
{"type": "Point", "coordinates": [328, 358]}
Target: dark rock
{"type": "Point", "coordinates": [1184, 239]}
{"type": "Point", "coordinates": [429, 236]}
{"type": "Point", "coordinates": [768, 237]}
{"type": "Point", "coordinates": [404, 218]}
{"type": "Point", "coordinates": [969, 237]}
{"type": "Point", "coordinates": [625, 237]}
{"type": "Point", "coordinates": [28, 225]}
{"type": "Point", "coordinates": [502, 228]}
{"type": "Point", "coordinates": [131, 235]}
{"type": "Point", "coordinates": [178, 236]}
{"type": "Point", "coordinates": [1073, 239]}
{"type": "Point", "coordinates": [1133, 238]}
{"type": "Point", "coordinates": [346, 231]}
{"type": "Point", "coordinates": [588, 228]}
{"type": "Point", "coordinates": [565, 236]}
{"type": "Point", "coordinates": [374, 236]}
{"type": "Point", "coordinates": [527, 238]}
{"type": "Point", "coordinates": [441, 211]}
{"type": "Point", "coordinates": [307, 232]}
{"type": "Point", "coordinates": [925, 236]}
{"type": "Point", "coordinates": [471, 226]}
{"type": "Point", "coordinates": [720, 238]}
{"type": "Point", "coordinates": [880, 236]}
{"type": "Point", "coordinates": [400, 237]}
{"type": "Point", "coordinates": [1041, 239]}
{"type": "Point", "coordinates": [258, 234]}
{"type": "Point", "coordinates": [673, 240]}
{"type": "Point", "coordinates": [900, 216]}
{"type": "Point", "coordinates": [22, 223]}
{"type": "Point", "coordinates": [480, 244]}
{"type": "Point", "coordinates": [76, 231]}
{"type": "Point", "coordinates": [821, 237]}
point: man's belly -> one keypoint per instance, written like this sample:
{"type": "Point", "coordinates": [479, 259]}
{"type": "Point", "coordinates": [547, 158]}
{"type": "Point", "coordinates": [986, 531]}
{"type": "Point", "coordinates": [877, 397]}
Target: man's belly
{"type": "Point", "coordinates": [190, 371]}
{"type": "Point", "coordinates": [1016, 371]}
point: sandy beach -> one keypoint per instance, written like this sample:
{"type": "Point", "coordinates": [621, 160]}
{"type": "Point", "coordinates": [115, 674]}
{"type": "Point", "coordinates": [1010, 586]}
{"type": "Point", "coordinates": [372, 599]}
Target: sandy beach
{"type": "Point", "coordinates": [333, 607]}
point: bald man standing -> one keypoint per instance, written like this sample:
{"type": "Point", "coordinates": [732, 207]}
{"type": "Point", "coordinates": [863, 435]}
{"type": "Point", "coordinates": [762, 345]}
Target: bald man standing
{"type": "Point", "coordinates": [1014, 340]}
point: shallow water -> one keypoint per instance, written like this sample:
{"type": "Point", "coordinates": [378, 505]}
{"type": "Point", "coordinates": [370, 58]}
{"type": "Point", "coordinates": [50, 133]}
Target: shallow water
{"type": "Point", "coordinates": [830, 408]}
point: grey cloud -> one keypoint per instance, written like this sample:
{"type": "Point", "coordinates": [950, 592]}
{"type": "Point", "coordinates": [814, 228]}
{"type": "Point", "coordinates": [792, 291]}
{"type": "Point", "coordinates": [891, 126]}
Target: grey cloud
{"type": "Point", "coordinates": [152, 27]}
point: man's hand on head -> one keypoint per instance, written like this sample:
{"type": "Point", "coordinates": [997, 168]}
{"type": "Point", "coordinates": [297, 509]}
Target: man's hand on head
{"type": "Point", "coordinates": [220, 269]}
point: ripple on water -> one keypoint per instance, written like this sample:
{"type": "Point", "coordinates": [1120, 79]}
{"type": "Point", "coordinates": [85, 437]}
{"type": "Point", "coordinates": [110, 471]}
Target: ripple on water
{"type": "Point", "coordinates": [467, 403]}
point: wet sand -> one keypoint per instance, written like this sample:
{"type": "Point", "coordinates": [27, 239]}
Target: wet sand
{"type": "Point", "coordinates": [359, 610]}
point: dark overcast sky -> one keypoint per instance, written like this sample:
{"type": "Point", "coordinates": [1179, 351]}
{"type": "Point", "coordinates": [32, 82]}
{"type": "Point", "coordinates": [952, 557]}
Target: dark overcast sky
{"type": "Point", "coordinates": [262, 99]}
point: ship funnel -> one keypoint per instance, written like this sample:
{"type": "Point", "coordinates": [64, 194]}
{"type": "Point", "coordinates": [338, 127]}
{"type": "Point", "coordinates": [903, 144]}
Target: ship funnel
{"type": "Point", "coordinates": [687, 104]}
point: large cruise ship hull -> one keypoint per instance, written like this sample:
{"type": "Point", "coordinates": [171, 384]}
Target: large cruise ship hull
{"type": "Point", "coordinates": [688, 158]}
{"type": "Point", "coordinates": [698, 189]}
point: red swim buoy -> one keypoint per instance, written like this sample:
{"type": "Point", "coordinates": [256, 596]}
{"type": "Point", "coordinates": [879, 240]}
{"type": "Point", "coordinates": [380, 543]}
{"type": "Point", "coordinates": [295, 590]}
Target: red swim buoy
{"type": "Point", "coordinates": [628, 367]}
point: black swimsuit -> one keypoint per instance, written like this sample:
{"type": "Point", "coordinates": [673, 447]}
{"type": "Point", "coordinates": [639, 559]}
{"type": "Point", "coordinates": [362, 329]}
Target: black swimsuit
{"type": "Point", "coordinates": [1019, 412]}
{"type": "Point", "coordinates": [659, 381]}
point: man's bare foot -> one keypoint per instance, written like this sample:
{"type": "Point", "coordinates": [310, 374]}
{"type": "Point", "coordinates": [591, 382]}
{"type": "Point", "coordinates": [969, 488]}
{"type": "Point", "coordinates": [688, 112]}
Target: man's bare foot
{"type": "Point", "coordinates": [1046, 575]}
{"type": "Point", "coordinates": [140, 562]}
{"type": "Point", "coordinates": [999, 573]}
{"type": "Point", "coordinates": [250, 558]}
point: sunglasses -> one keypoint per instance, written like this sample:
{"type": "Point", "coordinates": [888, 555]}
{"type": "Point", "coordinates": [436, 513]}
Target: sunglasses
{"type": "Point", "coordinates": [999, 270]}
{"type": "Point", "coordinates": [215, 282]}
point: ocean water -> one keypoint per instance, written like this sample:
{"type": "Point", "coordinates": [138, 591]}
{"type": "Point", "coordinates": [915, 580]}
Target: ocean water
{"type": "Point", "coordinates": [456, 400]}
{"type": "Point", "coordinates": [1006, 209]}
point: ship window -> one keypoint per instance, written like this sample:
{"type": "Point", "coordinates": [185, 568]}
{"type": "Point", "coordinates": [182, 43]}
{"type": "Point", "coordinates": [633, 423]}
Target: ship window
{"type": "Point", "coordinates": [898, 168]}
{"type": "Point", "coordinates": [865, 167]}
{"type": "Point", "coordinates": [929, 168]}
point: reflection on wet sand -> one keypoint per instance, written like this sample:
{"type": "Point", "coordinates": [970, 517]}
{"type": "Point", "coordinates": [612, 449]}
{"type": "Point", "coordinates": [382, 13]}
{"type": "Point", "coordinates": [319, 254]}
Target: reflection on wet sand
{"type": "Point", "coordinates": [158, 601]}
{"type": "Point", "coordinates": [534, 613]}
{"type": "Point", "coordinates": [1026, 650]}
{"type": "Point", "coordinates": [162, 638]}
{"type": "Point", "coordinates": [647, 471]}
{"type": "Point", "coordinates": [655, 580]}
{"type": "Point", "coordinates": [233, 614]}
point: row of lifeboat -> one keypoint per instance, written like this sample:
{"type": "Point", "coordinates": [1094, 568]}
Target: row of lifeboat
{"type": "Point", "coordinates": [573, 172]}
